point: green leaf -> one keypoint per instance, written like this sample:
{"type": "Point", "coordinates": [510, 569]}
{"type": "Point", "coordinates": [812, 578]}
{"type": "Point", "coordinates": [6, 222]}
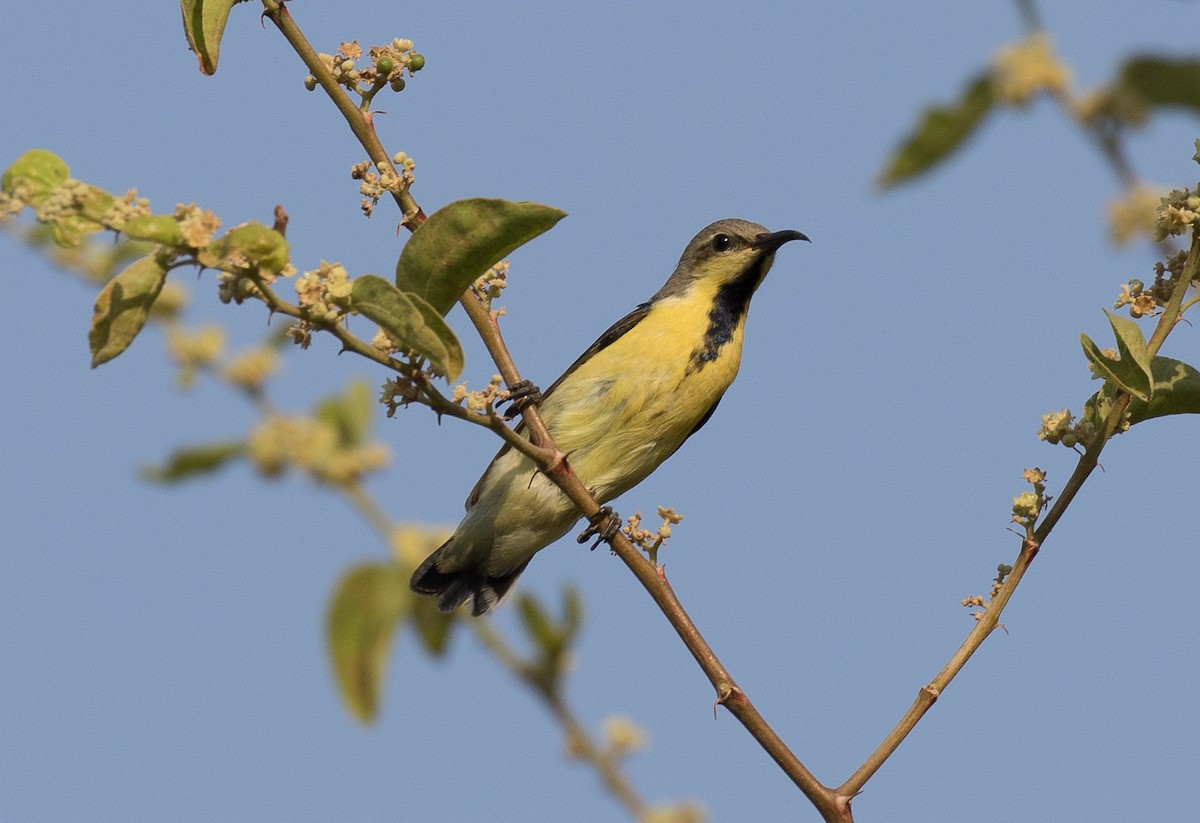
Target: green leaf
{"type": "Point", "coordinates": [42, 171]}
{"type": "Point", "coordinates": [538, 625]}
{"type": "Point", "coordinates": [204, 23]}
{"type": "Point", "coordinates": [190, 461]}
{"type": "Point", "coordinates": [156, 228]}
{"type": "Point", "coordinates": [1176, 391]}
{"type": "Point", "coordinates": [1162, 81]}
{"type": "Point", "coordinates": [942, 130]}
{"type": "Point", "coordinates": [461, 240]}
{"type": "Point", "coordinates": [349, 413]}
{"type": "Point", "coordinates": [412, 322]}
{"type": "Point", "coordinates": [265, 248]}
{"type": "Point", "coordinates": [368, 604]}
{"type": "Point", "coordinates": [433, 626]}
{"type": "Point", "coordinates": [572, 611]}
{"type": "Point", "coordinates": [123, 306]}
{"type": "Point", "coordinates": [1131, 373]}
{"type": "Point", "coordinates": [1131, 343]}
{"type": "Point", "coordinates": [1126, 376]}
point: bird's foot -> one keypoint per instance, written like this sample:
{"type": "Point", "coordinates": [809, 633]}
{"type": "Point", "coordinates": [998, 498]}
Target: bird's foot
{"type": "Point", "coordinates": [603, 525]}
{"type": "Point", "coordinates": [521, 394]}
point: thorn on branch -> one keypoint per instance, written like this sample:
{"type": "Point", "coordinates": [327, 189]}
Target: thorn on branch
{"type": "Point", "coordinates": [281, 220]}
{"type": "Point", "coordinates": [1030, 548]}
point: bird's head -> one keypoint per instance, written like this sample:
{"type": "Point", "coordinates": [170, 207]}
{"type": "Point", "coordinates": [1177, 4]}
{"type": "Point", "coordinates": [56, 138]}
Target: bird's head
{"type": "Point", "coordinates": [735, 254]}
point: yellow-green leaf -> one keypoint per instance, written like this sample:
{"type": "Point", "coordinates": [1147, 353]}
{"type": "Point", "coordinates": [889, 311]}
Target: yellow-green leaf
{"type": "Point", "coordinates": [42, 171]}
{"type": "Point", "coordinates": [1162, 81]}
{"type": "Point", "coordinates": [433, 625]}
{"type": "Point", "coordinates": [942, 130]}
{"type": "Point", "coordinates": [349, 413]}
{"type": "Point", "coordinates": [461, 240]}
{"type": "Point", "coordinates": [188, 462]}
{"type": "Point", "coordinates": [1176, 391]}
{"type": "Point", "coordinates": [1131, 372]}
{"type": "Point", "coordinates": [413, 323]}
{"type": "Point", "coordinates": [156, 228]}
{"type": "Point", "coordinates": [265, 248]}
{"type": "Point", "coordinates": [204, 23]}
{"type": "Point", "coordinates": [123, 306]}
{"type": "Point", "coordinates": [368, 604]}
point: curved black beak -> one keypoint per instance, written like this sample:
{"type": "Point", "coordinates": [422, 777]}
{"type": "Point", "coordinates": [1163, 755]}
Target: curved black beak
{"type": "Point", "coordinates": [771, 241]}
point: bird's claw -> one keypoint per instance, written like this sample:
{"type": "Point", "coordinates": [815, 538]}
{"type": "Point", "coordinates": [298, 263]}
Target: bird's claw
{"type": "Point", "coordinates": [603, 525]}
{"type": "Point", "coordinates": [521, 395]}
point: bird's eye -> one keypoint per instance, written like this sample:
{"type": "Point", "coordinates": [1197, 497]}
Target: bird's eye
{"type": "Point", "coordinates": [722, 242]}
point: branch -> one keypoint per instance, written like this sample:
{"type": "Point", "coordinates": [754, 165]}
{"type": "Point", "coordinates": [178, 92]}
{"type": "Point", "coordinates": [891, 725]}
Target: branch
{"type": "Point", "coordinates": [1032, 543]}
{"type": "Point", "coordinates": [831, 806]}
{"type": "Point", "coordinates": [359, 121]}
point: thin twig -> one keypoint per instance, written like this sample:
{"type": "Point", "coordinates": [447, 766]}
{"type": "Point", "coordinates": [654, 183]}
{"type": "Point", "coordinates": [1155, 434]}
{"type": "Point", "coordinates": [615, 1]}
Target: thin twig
{"type": "Point", "coordinates": [580, 743]}
{"type": "Point", "coordinates": [990, 617]}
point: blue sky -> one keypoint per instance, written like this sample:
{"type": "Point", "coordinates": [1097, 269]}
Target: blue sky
{"type": "Point", "coordinates": [161, 649]}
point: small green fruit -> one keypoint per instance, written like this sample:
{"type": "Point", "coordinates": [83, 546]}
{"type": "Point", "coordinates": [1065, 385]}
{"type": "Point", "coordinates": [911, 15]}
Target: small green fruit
{"type": "Point", "coordinates": [416, 62]}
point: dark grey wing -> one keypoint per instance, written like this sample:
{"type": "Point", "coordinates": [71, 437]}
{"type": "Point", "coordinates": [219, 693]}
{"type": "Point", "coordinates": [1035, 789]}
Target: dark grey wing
{"type": "Point", "coordinates": [614, 333]}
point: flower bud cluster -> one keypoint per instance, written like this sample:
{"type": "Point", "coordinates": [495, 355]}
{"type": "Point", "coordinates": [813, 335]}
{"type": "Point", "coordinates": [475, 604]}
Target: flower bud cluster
{"type": "Point", "coordinates": [975, 601]}
{"type": "Point", "coordinates": [1143, 300]}
{"type": "Point", "coordinates": [387, 180]}
{"type": "Point", "coordinates": [63, 201]}
{"type": "Point", "coordinates": [384, 342]}
{"type": "Point", "coordinates": [623, 737]}
{"type": "Point", "coordinates": [1027, 68]}
{"type": "Point", "coordinates": [1176, 213]}
{"type": "Point", "coordinates": [1134, 215]}
{"type": "Point", "coordinates": [396, 393]}
{"type": "Point", "coordinates": [251, 369]}
{"type": "Point", "coordinates": [14, 203]}
{"type": "Point", "coordinates": [125, 208]}
{"type": "Point", "coordinates": [482, 399]}
{"type": "Point", "coordinates": [388, 64]}
{"type": "Point", "coordinates": [312, 446]}
{"type": "Point", "coordinates": [1061, 427]}
{"type": "Point", "coordinates": [489, 285]}
{"type": "Point", "coordinates": [1027, 506]}
{"type": "Point", "coordinates": [196, 224]}
{"type": "Point", "coordinates": [325, 292]}
{"type": "Point", "coordinates": [651, 541]}
{"type": "Point", "coordinates": [195, 350]}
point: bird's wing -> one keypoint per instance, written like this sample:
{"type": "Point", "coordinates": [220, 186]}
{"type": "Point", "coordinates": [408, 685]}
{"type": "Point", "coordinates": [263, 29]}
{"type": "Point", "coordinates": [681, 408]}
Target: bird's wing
{"type": "Point", "coordinates": [614, 333]}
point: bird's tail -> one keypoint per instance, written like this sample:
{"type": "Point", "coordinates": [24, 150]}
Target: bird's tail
{"type": "Point", "coordinates": [452, 589]}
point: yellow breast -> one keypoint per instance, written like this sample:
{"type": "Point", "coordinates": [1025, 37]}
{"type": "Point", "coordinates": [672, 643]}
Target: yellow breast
{"type": "Point", "coordinates": [629, 407]}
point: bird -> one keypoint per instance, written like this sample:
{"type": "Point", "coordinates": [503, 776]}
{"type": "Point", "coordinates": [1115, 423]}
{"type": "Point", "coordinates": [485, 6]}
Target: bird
{"type": "Point", "coordinates": [626, 405]}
